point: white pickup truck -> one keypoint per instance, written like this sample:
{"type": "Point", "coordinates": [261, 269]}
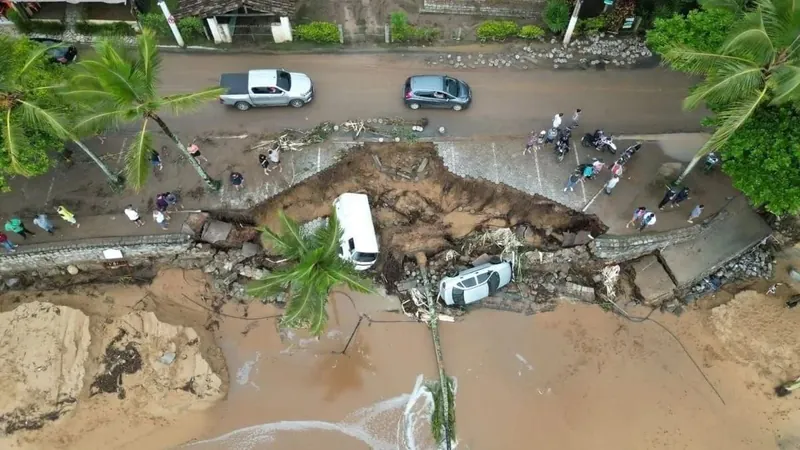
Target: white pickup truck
{"type": "Point", "coordinates": [266, 87]}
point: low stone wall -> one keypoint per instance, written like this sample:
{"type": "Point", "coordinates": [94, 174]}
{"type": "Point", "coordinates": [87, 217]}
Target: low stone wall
{"type": "Point", "coordinates": [623, 248]}
{"type": "Point", "coordinates": [492, 8]}
{"type": "Point", "coordinates": [49, 256]}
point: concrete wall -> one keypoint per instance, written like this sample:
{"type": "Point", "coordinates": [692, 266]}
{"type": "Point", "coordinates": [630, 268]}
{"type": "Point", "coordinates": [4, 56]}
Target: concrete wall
{"type": "Point", "coordinates": [49, 256]}
{"type": "Point", "coordinates": [492, 8]}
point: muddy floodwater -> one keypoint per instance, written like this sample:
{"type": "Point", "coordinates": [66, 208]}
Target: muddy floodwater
{"type": "Point", "coordinates": [575, 378]}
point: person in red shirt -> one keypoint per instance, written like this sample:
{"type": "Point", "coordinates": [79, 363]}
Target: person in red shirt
{"type": "Point", "coordinates": [8, 245]}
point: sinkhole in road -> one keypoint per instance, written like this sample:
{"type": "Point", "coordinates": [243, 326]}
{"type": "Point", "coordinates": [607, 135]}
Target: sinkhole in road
{"type": "Point", "coordinates": [420, 206]}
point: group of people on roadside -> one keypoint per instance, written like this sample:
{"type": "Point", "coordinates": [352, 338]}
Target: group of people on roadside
{"type": "Point", "coordinates": [643, 218]}
{"type": "Point", "coordinates": [164, 202]}
{"type": "Point", "coordinates": [17, 226]}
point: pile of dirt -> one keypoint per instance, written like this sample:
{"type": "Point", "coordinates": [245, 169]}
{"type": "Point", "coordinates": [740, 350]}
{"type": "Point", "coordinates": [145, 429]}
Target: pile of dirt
{"type": "Point", "coordinates": [759, 330]}
{"type": "Point", "coordinates": [43, 348]}
{"type": "Point", "coordinates": [420, 206]}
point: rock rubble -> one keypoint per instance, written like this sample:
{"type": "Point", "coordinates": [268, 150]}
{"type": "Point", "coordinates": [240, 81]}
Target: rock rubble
{"type": "Point", "coordinates": [759, 262]}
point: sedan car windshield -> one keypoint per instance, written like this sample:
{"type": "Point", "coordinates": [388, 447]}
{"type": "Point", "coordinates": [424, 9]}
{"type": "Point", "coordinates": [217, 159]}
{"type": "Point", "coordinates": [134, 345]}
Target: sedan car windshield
{"type": "Point", "coordinates": [451, 86]}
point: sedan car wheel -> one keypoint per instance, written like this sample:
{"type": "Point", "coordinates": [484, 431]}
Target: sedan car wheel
{"type": "Point", "coordinates": [457, 107]}
{"type": "Point", "coordinates": [414, 106]}
{"type": "Point", "coordinates": [297, 103]}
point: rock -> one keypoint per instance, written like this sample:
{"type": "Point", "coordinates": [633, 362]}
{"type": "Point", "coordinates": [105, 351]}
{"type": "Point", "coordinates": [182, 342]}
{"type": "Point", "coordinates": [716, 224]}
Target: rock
{"type": "Point", "coordinates": [216, 231]}
{"type": "Point", "coordinates": [250, 249]}
{"type": "Point", "coordinates": [794, 274]}
{"type": "Point", "coordinates": [43, 348]}
{"type": "Point", "coordinates": [167, 358]}
{"type": "Point", "coordinates": [458, 58]}
{"type": "Point", "coordinates": [11, 282]}
{"type": "Point", "coordinates": [72, 270]}
{"type": "Point", "coordinates": [253, 273]}
{"type": "Point", "coordinates": [407, 285]}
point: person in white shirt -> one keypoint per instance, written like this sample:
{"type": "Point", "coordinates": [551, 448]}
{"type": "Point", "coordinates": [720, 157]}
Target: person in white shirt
{"type": "Point", "coordinates": [557, 120]}
{"type": "Point", "coordinates": [649, 219]}
{"type": "Point", "coordinates": [611, 184]}
{"type": "Point", "coordinates": [161, 219]}
{"type": "Point", "coordinates": [133, 215]}
{"type": "Point", "coordinates": [275, 159]}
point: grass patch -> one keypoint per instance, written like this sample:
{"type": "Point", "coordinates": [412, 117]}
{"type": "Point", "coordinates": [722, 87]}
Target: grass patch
{"type": "Point", "coordinates": [438, 420]}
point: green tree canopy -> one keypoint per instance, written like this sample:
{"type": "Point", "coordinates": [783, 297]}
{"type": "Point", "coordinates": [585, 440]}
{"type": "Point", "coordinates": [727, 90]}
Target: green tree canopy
{"type": "Point", "coordinates": [702, 29]}
{"type": "Point", "coordinates": [313, 270]}
{"type": "Point", "coordinates": [763, 159]}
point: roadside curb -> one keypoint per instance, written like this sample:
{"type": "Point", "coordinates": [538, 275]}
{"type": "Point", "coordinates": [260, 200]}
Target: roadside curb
{"type": "Point", "coordinates": [437, 139]}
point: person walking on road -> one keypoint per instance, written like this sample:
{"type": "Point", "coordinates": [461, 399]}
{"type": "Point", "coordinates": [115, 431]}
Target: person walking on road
{"type": "Point", "coordinates": [194, 150]}
{"type": "Point", "coordinates": [43, 222]}
{"type": "Point", "coordinates": [668, 196]}
{"type": "Point", "coordinates": [680, 197]}
{"type": "Point", "coordinates": [576, 117]}
{"type": "Point", "coordinates": [237, 180]}
{"type": "Point", "coordinates": [611, 184]}
{"type": "Point", "coordinates": [532, 138]}
{"type": "Point", "coordinates": [15, 225]}
{"type": "Point", "coordinates": [573, 179]}
{"type": "Point", "coordinates": [161, 203]}
{"type": "Point", "coordinates": [155, 160]}
{"type": "Point", "coordinates": [695, 213]}
{"type": "Point", "coordinates": [172, 200]}
{"type": "Point", "coordinates": [133, 215]}
{"type": "Point", "coordinates": [637, 216]}
{"type": "Point", "coordinates": [67, 216]}
{"type": "Point", "coordinates": [648, 220]}
{"type": "Point", "coordinates": [557, 120]}
{"type": "Point", "coordinates": [263, 161]}
{"type": "Point", "coordinates": [161, 219]}
{"type": "Point", "coordinates": [275, 159]}
{"type": "Point", "coordinates": [8, 245]}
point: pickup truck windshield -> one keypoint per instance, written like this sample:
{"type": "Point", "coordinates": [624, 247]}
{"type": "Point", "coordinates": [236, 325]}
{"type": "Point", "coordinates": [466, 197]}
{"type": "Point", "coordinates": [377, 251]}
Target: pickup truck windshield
{"type": "Point", "coordinates": [284, 80]}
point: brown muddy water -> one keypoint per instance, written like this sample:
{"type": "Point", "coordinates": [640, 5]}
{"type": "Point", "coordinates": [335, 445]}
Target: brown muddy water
{"type": "Point", "coordinates": [575, 378]}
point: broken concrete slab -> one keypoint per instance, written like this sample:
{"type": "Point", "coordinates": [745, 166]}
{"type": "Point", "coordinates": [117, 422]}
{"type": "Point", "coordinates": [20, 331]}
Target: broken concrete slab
{"type": "Point", "coordinates": [483, 259]}
{"type": "Point", "coordinates": [193, 225]}
{"type": "Point", "coordinates": [577, 291]}
{"type": "Point", "coordinates": [407, 285]}
{"type": "Point", "coordinates": [250, 249]}
{"type": "Point", "coordinates": [652, 280]}
{"type": "Point", "coordinates": [216, 231]}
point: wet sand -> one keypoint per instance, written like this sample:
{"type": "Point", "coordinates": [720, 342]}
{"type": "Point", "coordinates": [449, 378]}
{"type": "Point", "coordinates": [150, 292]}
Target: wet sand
{"type": "Point", "coordinates": [575, 378]}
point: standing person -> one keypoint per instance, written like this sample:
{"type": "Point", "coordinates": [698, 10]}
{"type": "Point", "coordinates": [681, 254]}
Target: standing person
{"type": "Point", "coordinates": [161, 202]}
{"type": "Point", "coordinates": [611, 184]}
{"type": "Point", "coordinates": [695, 213]}
{"type": "Point", "coordinates": [532, 138]}
{"type": "Point", "coordinates": [263, 161]}
{"type": "Point", "coordinates": [576, 117]}
{"type": "Point", "coordinates": [133, 215]}
{"type": "Point", "coordinates": [573, 179]}
{"type": "Point", "coordinates": [155, 160]}
{"type": "Point", "coordinates": [598, 165]}
{"type": "Point", "coordinates": [15, 225]}
{"type": "Point", "coordinates": [194, 150]}
{"type": "Point", "coordinates": [617, 168]}
{"type": "Point", "coordinates": [43, 222]}
{"type": "Point", "coordinates": [680, 197]}
{"type": "Point", "coordinates": [237, 180]}
{"type": "Point", "coordinates": [557, 120]}
{"type": "Point", "coordinates": [161, 219]}
{"type": "Point", "coordinates": [637, 216]}
{"type": "Point", "coordinates": [275, 159]}
{"type": "Point", "coordinates": [172, 200]}
{"type": "Point", "coordinates": [648, 219]}
{"type": "Point", "coordinates": [8, 245]}
{"type": "Point", "coordinates": [67, 216]}
{"type": "Point", "coordinates": [668, 196]}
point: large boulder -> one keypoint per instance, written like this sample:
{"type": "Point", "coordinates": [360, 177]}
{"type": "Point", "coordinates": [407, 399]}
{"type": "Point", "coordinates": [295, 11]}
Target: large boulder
{"type": "Point", "coordinates": [43, 348]}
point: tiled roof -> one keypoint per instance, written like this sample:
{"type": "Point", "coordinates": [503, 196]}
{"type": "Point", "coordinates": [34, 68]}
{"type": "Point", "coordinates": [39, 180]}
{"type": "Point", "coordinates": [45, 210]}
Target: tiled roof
{"type": "Point", "coordinates": [209, 8]}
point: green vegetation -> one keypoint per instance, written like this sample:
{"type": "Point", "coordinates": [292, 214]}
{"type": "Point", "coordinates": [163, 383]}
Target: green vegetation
{"type": "Point", "coordinates": [592, 25]}
{"type": "Point", "coordinates": [115, 29]}
{"type": "Point", "coordinates": [121, 86]}
{"type": "Point", "coordinates": [438, 419]}
{"type": "Point", "coordinates": [319, 32]}
{"type": "Point", "coordinates": [757, 65]}
{"type": "Point", "coordinates": [530, 32]}
{"type": "Point", "coordinates": [556, 15]}
{"type": "Point", "coordinates": [496, 30]}
{"type": "Point", "coordinates": [191, 29]}
{"type": "Point", "coordinates": [314, 269]}
{"type": "Point", "coordinates": [402, 31]}
{"type": "Point", "coordinates": [157, 22]}
{"type": "Point", "coordinates": [763, 159]}
{"type": "Point", "coordinates": [35, 26]}
{"type": "Point", "coordinates": [35, 120]}
{"type": "Point", "coordinates": [701, 29]}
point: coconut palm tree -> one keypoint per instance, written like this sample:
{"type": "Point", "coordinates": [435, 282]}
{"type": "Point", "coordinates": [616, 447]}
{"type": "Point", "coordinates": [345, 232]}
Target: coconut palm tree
{"type": "Point", "coordinates": [759, 64]}
{"type": "Point", "coordinates": [27, 105]}
{"type": "Point", "coordinates": [121, 86]}
{"type": "Point", "coordinates": [313, 269]}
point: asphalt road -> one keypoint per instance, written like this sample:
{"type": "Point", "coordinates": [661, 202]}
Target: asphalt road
{"type": "Point", "coordinates": [506, 101]}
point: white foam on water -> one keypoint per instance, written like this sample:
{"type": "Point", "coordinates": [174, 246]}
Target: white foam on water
{"type": "Point", "coordinates": [402, 422]}
{"type": "Point", "coordinates": [243, 374]}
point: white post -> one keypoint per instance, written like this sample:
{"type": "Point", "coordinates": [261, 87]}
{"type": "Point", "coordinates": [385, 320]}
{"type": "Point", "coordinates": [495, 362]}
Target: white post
{"type": "Point", "coordinates": [214, 27]}
{"type": "Point", "coordinates": [572, 22]}
{"type": "Point", "coordinates": [171, 21]}
{"type": "Point", "coordinates": [287, 28]}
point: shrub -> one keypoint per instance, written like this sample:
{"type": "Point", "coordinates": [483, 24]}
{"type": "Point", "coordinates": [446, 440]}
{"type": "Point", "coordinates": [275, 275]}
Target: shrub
{"type": "Point", "coordinates": [530, 32]}
{"type": "Point", "coordinates": [402, 31]}
{"type": "Point", "coordinates": [592, 25]}
{"type": "Point", "coordinates": [105, 29]}
{"type": "Point", "coordinates": [703, 29]}
{"type": "Point", "coordinates": [191, 28]}
{"type": "Point", "coordinates": [156, 22]}
{"type": "Point", "coordinates": [319, 32]}
{"type": "Point", "coordinates": [31, 26]}
{"type": "Point", "coordinates": [496, 30]}
{"type": "Point", "coordinates": [556, 15]}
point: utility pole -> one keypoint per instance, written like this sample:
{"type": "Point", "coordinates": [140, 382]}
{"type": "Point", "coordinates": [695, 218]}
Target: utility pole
{"type": "Point", "coordinates": [171, 21]}
{"type": "Point", "coordinates": [572, 22]}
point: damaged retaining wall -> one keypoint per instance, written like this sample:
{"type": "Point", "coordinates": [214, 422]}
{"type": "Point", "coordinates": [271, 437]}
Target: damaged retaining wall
{"type": "Point", "coordinates": [49, 256]}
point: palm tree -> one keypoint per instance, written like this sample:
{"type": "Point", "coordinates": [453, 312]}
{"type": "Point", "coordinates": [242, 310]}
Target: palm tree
{"type": "Point", "coordinates": [759, 64]}
{"type": "Point", "coordinates": [26, 105]}
{"type": "Point", "coordinates": [121, 86]}
{"type": "Point", "coordinates": [314, 269]}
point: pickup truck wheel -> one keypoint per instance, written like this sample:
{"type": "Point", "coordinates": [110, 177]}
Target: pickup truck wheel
{"type": "Point", "coordinates": [242, 106]}
{"type": "Point", "coordinates": [297, 103]}
{"type": "Point", "coordinates": [414, 105]}
{"type": "Point", "coordinates": [457, 107]}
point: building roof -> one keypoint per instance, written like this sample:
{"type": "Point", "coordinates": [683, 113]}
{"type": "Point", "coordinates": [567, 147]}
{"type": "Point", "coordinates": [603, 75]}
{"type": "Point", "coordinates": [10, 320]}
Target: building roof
{"type": "Point", "coordinates": [210, 8]}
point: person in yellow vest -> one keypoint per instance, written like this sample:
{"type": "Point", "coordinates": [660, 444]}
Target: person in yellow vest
{"type": "Point", "coordinates": [67, 215]}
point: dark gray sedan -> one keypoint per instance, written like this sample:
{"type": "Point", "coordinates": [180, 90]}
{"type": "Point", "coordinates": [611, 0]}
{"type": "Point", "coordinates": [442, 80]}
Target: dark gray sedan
{"type": "Point", "coordinates": [436, 91]}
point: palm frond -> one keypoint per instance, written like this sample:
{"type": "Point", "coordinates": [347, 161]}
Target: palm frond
{"type": "Point", "coordinates": [36, 57]}
{"type": "Point", "coordinates": [724, 88]}
{"type": "Point", "coordinates": [14, 143]}
{"type": "Point", "coordinates": [276, 282]}
{"type": "Point", "coordinates": [731, 119]}
{"type": "Point", "coordinates": [318, 316]}
{"type": "Point", "coordinates": [328, 237]}
{"type": "Point", "coordinates": [45, 119]}
{"type": "Point", "coordinates": [137, 159]}
{"type": "Point", "coordinates": [99, 121]}
{"type": "Point", "coordinates": [697, 62]}
{"type": "Point", "coordinates": [343, 272]}
{"type": "Point", "coordinates": [303, 304]}
{"type": "Point", "coordinates": [785, 82]}
{"type": "Point", "coordinates": [734, 6]}
{"type": "Point", "coordinates": [751, 40]}
{"type": "Point", "coordinates": [186, 102]}
{"type": "Point", "coordinates": [149, 60]}
{"type": "Point", "coordinates": [295, 246]}
{"type": "Point", "coordinates": [117, 84]}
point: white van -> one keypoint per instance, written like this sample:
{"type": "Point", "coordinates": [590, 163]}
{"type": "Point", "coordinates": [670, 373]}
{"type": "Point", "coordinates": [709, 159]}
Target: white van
{"type": "Point", "coordinates": [359, 243]}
